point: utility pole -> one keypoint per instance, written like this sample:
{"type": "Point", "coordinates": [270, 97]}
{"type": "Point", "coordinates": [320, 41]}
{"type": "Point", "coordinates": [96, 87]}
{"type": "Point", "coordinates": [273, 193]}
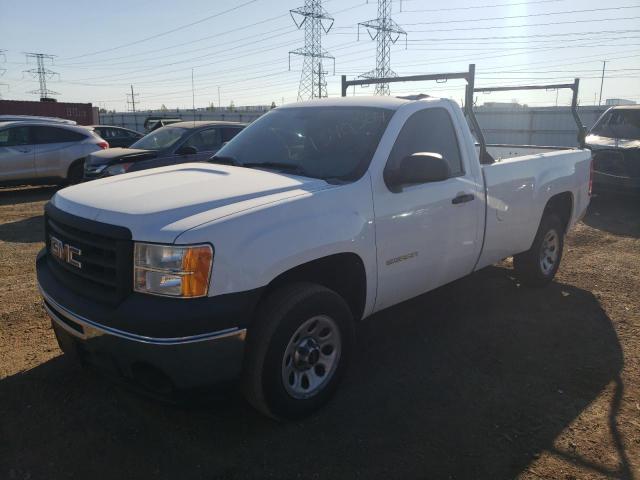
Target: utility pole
{"type": "Point", "coordinates": [132, 102]}
{"type": "Point", "coordinates": [3, 70]}
{"type": "Point", "coordinates": [315, 20]}
{"type": "Point", "coordinates": [42, 73]}
{"type": "Point", "coordinates": [193, 99]}
{"type": "Point", "coordinates": [604, 64]}
{"type": "Point", "coordinates": [219, 104]}
{"type": "Point", "coordinates": [387, 32]}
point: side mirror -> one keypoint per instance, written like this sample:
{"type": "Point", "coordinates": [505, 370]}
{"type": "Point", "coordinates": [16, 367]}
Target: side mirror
{"type": "Point", "coordinates": [187, 150]}
{"type": "Point", "coordinates": [421, 167]}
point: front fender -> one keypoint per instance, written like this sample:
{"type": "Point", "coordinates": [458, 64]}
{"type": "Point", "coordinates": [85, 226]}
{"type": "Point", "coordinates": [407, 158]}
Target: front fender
{"type": "Point", "coordinates": [255, 246]}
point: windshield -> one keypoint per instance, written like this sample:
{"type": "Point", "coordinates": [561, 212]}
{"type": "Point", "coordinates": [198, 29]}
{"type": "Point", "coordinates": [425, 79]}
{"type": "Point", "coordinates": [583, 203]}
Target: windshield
{"type": "Point", "coordinates": [322, 142]}
{"type": "Point", "coordinates": [619, 123]}
{"type": "Point", "coordinates": [160, 139]}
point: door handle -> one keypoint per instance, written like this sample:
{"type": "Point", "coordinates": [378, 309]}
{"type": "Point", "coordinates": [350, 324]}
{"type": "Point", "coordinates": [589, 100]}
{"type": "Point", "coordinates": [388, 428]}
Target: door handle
{"type": "Point", "coordinates": [23, 150]}
{"type": "Point", "coordinates": [463, 198]}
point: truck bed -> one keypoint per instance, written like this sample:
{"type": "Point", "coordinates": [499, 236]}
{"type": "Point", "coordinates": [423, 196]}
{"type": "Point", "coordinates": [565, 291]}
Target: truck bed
{"type": "Point", "coordinates": [517, 190]}
{"type": "Point", "coordinates": [501, 151]}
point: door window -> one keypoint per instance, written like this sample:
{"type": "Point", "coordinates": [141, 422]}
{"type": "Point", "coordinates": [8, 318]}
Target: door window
{"type": "Point", "coordinates": [12, 137]}
{"type": "Point", "coordinates": [428, 130]}
{"type": "Point", "coordinates": [229, 133]}
{"type": "Point", "coordinates": [56, 135]}
{"type": "Point", "coordinates": [205, 140]}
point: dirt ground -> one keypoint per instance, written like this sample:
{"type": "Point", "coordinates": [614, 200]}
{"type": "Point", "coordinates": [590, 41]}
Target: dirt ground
{"type": "Point", "coordinates": [481, 379]}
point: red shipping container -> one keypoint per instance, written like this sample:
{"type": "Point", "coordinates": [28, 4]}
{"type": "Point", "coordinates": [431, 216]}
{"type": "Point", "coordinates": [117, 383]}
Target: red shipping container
{"type": "Point", "coordinates": [82, 113]}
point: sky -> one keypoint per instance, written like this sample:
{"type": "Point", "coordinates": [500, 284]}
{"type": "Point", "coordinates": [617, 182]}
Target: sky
{"type": "Point", "coordinates": [239, 48]}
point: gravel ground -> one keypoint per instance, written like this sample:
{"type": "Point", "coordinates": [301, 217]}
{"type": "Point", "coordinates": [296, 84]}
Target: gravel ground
{"type": "Point", "coordinates": [480, 379]}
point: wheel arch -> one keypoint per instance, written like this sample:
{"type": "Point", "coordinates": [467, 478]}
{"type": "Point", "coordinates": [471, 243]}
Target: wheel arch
{"type": "Point", "coordinates": [561, 204]}
{"type": "Point", "coordinates": [74, 164]}
{"type": "Point", "coordinates": [343, 273]}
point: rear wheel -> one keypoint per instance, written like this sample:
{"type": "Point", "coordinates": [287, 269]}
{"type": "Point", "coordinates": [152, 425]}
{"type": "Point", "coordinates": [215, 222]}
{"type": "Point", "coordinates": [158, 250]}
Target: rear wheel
{"type": "Point", "coordinates": [297, 350]}
{"type": "Point", "coordinates": [537, 266]}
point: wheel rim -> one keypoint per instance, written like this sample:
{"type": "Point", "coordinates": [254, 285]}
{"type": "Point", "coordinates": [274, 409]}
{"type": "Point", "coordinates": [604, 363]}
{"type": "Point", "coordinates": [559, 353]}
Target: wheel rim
{"type": "Point", "coordinates": [311, 357]}
{"type": "Point", "coordinates": [549, 252]}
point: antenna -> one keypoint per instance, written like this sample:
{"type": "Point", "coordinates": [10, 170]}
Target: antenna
{"type": "Point", "coordinates": [42, 73]}
{"type": "Point", "coordinates": [387, 32]}
{"type": "Point", "coordinates": [315, 20]}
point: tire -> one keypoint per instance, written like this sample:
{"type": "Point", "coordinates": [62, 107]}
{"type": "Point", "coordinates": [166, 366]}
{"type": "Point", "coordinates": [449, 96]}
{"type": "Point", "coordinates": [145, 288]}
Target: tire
{"type": "Point", "coordinates": [76, 172]}
{"type": "Point", "coordinates": [285, 345]}
{"type": "Point", "coordinates": [537, 266]}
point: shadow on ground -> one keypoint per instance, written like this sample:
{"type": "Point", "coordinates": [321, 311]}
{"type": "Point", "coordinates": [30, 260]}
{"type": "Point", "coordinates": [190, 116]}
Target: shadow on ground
{"type": "Point", "coordinates": [26, 230]}
{"type": "Point", "coordinates": [469, 381]}
{"type": "Point", "coordinates": [19, 195]}
{"type": "Point", "coordinates": [617, 214]}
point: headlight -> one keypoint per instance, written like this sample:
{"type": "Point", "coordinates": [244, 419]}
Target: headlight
{"type": "Point", "coordinates": [172, 270]}
{"type": "Point", "coordinates": [118, 168]}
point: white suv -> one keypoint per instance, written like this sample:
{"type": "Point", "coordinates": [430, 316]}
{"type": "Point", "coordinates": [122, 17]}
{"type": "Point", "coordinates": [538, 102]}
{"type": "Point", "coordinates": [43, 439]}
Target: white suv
{"type": "Point", "coordinates": [43, 152]}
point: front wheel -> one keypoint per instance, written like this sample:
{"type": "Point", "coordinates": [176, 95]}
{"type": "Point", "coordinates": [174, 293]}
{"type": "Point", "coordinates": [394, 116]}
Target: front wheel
{"type": "Point", "coordinates": [297, 350]}
{"type": "Point", "coordinates": [76, 172]}
{"type": "Point", "coordinates": [537, 266]}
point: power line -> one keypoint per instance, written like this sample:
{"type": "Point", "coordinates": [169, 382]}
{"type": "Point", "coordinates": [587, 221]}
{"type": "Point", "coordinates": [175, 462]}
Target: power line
{"type": "Point", "coordinates": [528, 15]}
{"type": "Point", "coordinates": [449, 9]}
{"type": "Point", "coordinates": [178, 45]}
{"type": "Point", "coordinates": [167, 32]}
{"type": "Point", "coordinates": [200, 39]}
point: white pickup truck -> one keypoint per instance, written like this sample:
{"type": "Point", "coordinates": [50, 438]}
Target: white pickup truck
{"type": "Point", "coordinates": [258, 264]}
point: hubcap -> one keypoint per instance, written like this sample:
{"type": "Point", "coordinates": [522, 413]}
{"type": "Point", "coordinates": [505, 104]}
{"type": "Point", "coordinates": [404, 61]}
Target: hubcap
{"type": "Point", "coordinates": [549, 252]}
{"type": "Point", "coordinates": [311, 357]}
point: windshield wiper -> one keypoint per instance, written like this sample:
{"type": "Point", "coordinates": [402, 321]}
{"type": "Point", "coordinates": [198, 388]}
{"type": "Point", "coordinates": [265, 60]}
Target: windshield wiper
{"type": "Point", "coordinates": [290, 167]}
{"type": "Point", "coordinates": [225, 161]}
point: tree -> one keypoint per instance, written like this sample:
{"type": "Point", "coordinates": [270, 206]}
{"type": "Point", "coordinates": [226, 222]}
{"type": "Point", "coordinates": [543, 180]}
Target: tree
{"type": "Point", "coordinates": [232, 106]}
{"type": "Point", "coordinates": [273, 105]}
{"type": "Point", "coordinates": [163, 108]}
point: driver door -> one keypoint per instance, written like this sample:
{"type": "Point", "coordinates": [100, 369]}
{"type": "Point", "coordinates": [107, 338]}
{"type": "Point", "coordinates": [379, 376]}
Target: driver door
{"type": "Point", "coordinates": [427, 234]}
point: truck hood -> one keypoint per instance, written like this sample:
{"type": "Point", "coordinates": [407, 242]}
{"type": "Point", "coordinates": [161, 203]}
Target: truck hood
{"type": "Point", "coordinates": [110, 155]}
{"type": "Point", "coordinates": [159, 204]}
{"type": "Point", "coordinates": [596, 142]}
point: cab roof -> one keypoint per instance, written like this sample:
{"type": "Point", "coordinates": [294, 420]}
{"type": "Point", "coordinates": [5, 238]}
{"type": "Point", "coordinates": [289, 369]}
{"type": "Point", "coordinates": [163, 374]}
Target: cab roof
{"type": "Point", "coordinates": [205, 123]}
{"type": "Point", "coordinates": [376, 101]}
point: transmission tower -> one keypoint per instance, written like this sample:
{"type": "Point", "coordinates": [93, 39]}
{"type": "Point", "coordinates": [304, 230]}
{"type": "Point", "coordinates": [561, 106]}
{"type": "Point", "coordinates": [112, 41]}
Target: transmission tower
{"type": "Point", "coordinates": [386, 32]}
{"type": "Point", "coordinates": [42, 73]}
{"type": "Point", "coordinates": [315, 19]}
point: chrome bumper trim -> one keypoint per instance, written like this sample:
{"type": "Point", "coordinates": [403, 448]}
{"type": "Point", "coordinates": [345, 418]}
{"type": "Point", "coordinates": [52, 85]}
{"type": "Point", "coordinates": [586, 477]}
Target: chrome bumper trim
{"type": "Point", "coordinates": [92, 329]}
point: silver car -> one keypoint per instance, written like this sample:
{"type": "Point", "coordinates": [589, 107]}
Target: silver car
{"type": "Point", "coordinates": [42, 152]}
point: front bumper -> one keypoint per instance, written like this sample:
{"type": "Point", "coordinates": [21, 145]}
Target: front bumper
{"type": "Point", "coordinates": [174, 356]}
{"type": "Point", "coordinates": [607, 182]}
{"type": "Point", "coordinates": [158, 364]}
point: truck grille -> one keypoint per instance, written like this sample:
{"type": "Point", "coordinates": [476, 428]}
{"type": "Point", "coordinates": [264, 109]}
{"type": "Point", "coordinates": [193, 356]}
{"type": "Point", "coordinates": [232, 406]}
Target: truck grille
{"type": "Point", "coordinates": [622, 163]}
{"type": "Point", "coordinates": [91, 258]}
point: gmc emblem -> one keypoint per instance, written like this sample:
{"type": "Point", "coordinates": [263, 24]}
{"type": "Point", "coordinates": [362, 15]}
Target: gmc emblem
{"type": "Point", "coordinates": [65, 252]}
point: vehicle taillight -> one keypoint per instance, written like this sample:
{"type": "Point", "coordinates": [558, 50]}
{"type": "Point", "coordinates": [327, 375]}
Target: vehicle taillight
{"type": "Point", "coordinates": [591, 176]}
{"type": "Point", "coordinates": [103, 144]}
